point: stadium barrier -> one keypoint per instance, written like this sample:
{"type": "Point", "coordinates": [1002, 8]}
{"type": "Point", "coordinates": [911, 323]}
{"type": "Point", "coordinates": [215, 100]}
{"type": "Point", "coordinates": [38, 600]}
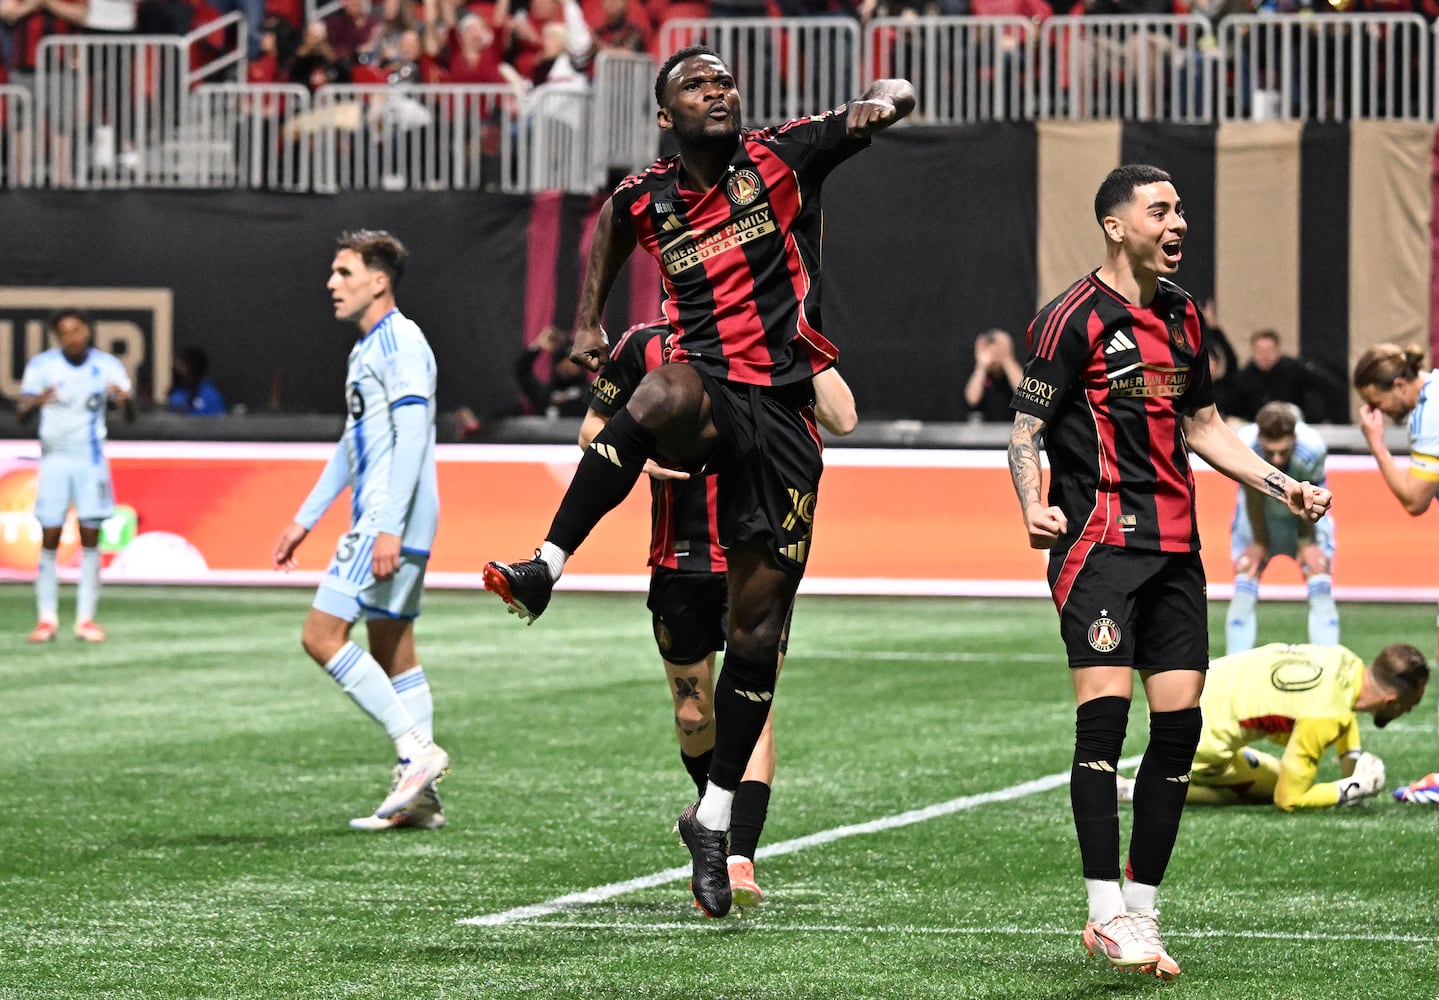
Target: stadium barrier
{"type": "Point", "coordinates": [940, 522]}
{"type": "Point", "coordinates": [970, 69]}
{"type": "Point", "coordinates": [17, 114]}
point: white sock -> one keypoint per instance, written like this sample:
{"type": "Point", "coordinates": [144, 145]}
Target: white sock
{"type": "Point", "coordinates": [554, 557]}
{"type": "Point", "coordinates": [1323, 615]}
{"type": "Point", "coordinates": [87, 595]}
{"type": "Point", "coordinates": [362, 678]}
{"type": "Point", "coordinates": [414, 692]}
{"type": "Point", "coordinates": [715, 805]}
{"type": "Point", "coordinates": [1239, 624]}
{"type": "Point", "coordinates": [47, 588]}
{"type": "Point", "coordinates": [1138, 896]}
{"type": "Point", "coordinates": [1105, 900]}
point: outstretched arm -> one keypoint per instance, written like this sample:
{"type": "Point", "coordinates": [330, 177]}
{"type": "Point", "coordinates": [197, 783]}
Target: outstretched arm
{"type": "Point", "coordinates": [614, 241]}
{"type": "Point", "coordinates": [1215, 442]}
{"type": "Point", "coordinates": [1043, 523]}
{"type": "Point", "coordinates": [883, 103]}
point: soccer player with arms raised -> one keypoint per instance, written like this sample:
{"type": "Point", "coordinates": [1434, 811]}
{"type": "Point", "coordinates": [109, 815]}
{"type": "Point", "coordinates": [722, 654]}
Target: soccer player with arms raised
{"type": "Point", "coordinates": [734, 221]}
{"type": "Point", "coordinates": [1117, 386]}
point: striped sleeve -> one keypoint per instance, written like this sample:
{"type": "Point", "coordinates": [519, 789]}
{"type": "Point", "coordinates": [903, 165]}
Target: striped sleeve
{"type": "Point", "coordinates": [1058, 341]}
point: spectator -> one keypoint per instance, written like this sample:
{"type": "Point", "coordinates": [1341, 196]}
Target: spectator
{"type": "Point", "coordinates": [28, 22]}
{"type": "Point", "coordinates": [316, 62]}
{"type": "Point", "coordinates": [352, 29]}
{"type": "Point", "coordinates": [254, 11]}
{"type": "Point", "coordinates": [192, 392]}
{"type": "Point", "coordinates": [551, 385]}
{"type": "Point", "coordinates": [164, 17]}
{"type": "Point", "coordinates": [1271, 374]}
{"type": "Point", "coordinates": [475, 58]}
{"type": "Point", "coordinates": [619, 32]}
{"type": "Point", "coordinates": [566, 49]}
{"type": "Point", "coordinates": [1223, 365]}
{"type": "Point", "coordinates": [996, 375]}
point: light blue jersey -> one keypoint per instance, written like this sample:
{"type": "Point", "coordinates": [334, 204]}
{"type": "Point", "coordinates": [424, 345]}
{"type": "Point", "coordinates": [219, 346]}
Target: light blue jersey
{"type": "Point", "coordinates": [73, 469]}
{"type": "Point", "coordinates": [1306, 464]}
{"type": "Point", "coordinates": [386, 457]}
{"type": "Point", "coordinates": [73, 422]}
{"type": "Point", "coordinates": [1424, 431]}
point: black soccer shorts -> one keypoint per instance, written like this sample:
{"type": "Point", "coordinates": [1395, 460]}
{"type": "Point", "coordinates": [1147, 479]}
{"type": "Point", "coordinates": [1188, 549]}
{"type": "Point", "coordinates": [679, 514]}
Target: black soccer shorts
{"type": "Point", "coordinates": [690, 612]}
{"type": "Point", "coordinates": [1122, 607]}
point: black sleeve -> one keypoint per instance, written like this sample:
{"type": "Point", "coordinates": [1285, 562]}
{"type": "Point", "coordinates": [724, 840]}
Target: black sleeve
{"type": "Point", "coordinates": [815, 146]}
{"type": "Point", "coordinates": [1055, 366]}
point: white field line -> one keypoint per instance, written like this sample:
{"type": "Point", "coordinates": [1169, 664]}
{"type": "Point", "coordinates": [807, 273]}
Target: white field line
{"type": "Point", "coordinates": [600, 893]}
{"type": "Point", "coordinates": [754, 926]}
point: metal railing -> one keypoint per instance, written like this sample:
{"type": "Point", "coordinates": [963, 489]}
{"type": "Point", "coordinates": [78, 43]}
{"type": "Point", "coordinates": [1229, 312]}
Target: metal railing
{"type": "Point", "coordinates": [246, 136]}
{"type": "Point", "coordinates": [964, 69]}
{"type": "Point", "coordinates": [624, 134]}
{"type": "Point", "coordinates": [17, 129]}
{"type": "Point", "coordinates": [1155, 68]}
{"type": "Point", "coordinates": [110, 112]}
{"type": "Point", "coordinates": [785, 67]}
{"type": "Point", "coordinates": [1327, 69]}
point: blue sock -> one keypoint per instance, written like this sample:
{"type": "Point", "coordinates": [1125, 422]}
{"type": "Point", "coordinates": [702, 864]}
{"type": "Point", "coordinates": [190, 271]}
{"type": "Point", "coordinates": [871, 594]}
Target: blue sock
{"type": "Point", "coordinates": [1323, 614]}
{"type": "Point", "coordinates": [1239, 624]}
{"type": "Point", "coordinates": [47, 587]}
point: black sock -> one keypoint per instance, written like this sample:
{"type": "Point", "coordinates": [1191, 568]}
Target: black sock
{"type": "Point", "coordinates": [751, 805]}
{"type": "Point", "coordinates": [743, 692]}
{"type": "Point", "coordinates": [607, 472]}
{"type": "Point", "coordinates": [1159, 790]}
{"type": "Point", "coordinates": [1098, 740]}
{"type": "Point", "coordinates": [699, 768]}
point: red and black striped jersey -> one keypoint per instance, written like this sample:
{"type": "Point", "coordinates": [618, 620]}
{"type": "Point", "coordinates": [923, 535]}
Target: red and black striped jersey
{"type": "Point", "coordinates": [1112, 380]}
{"type": "Point", "coordinates": [740, 262]}
{"type": "Point", "coordinates": [684, 513]}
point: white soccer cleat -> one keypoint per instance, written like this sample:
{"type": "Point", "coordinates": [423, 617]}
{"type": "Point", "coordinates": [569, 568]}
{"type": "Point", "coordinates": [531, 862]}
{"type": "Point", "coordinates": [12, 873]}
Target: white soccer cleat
{"type": "Point", "coordinates": [426, 813]}
{"type": "Point", "coordinates": [1147, 921]}
{"type": "Point", "coordinates": [1124, 787]}
{"type": "Point", "coordinates": [421, 771]}
{"type": "Point", "coordinates": [1123, 943]}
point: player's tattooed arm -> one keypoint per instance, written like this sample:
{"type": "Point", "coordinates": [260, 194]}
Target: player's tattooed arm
{"type": "Point", "coordinates": [1044, 524]}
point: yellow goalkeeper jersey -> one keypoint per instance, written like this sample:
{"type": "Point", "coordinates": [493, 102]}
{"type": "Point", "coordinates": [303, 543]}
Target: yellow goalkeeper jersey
{"type": "Point", "coordinates": [1299, 696]}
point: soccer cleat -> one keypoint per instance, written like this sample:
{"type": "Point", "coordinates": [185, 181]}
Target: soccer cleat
{"type": "Point", "coordinates": [43, 631]}
{"type": "Point", "coordinates": [525, 586]}
{"type": "Point", "coordinates": [416, 774]}
{"type": "Point", "coordinates": [1124, 788]}
{"type": "Point", "coordinates": [709, 852]}
{"type": "Point", "coordinates": [1121, 941]}
{"type": "Point", "coordinates": [425, 813]}
{"type": "Point", "coordinates": [742, 886]}
{"type": "Point", "coordinates": [1425, 791]}
{"type": "Point", "coordinates": [1147, 921]}
{"type": "Point", "coordinates": [89, 632]}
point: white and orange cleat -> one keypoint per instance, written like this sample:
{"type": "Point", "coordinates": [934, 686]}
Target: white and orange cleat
{"type": "Point", "coordinates": [415, 776]}
{"type": "Point", "coordinates": [1166, 967]}
{"type": "Point", "coordinates": [742, 886]}
{"type": "Point", "coordinates": [89, 632]}
{"type": "Point", "coordinates": [44, 631]}
{"type": "Point", "coordinates": [1123, 943]}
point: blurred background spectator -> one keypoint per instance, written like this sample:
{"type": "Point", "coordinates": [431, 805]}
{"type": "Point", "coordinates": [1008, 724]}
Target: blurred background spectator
{"type": "Point", "coordinates": [192, 393]}
{"type": "Point", "coordinates": [551, 385]}
{"type": "Point", "coordinates": [990, 388]}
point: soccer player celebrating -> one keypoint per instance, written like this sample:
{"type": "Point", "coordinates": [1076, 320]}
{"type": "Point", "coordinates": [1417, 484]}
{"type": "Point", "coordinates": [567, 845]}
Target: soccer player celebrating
{"type": "Point", "coordinates": [688, 598]}
{"type": "Point", "coordinates": [734, 221]}
{"type": "Point", "coordinates": [71, 387]}
{"type": "Point", "coordinates": [1118, 386]}
{"type": "Point", "coordinates": [1263, 527]}
{"type": "Point", "coordinates": [386, 457]}
{"type": "Point", "coordinates": [1304, 698]}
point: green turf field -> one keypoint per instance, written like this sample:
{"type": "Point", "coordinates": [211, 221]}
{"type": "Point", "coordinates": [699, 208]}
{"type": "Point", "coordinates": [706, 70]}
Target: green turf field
{"type": "Point", "coordinates": [176, 804]}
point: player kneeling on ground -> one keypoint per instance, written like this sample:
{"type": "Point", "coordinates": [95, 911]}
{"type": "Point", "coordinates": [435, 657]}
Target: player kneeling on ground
{"type": "Point", "coordinates": [1306, 699]}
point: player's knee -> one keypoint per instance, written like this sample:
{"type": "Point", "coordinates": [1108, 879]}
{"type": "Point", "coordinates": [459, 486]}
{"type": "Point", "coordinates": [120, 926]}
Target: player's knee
{"type": "Point", "coordinates": [1099, 726]}
{"type": "Point", "coordinates": [318, 642]}
{"type": "Point", "coordinates": [751, 674]}
{"type": "Point", "coordinates": [1173, 738]}
{"type": "Point", "coordinates": [692, 716]}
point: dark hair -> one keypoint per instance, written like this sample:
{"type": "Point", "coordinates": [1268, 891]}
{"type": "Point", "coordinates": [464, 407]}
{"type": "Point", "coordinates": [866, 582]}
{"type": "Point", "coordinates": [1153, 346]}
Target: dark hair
{"type": "Point", "coordinates": [197, 358]}
{"type": "Point", "coordinates": [378, 249]}
{"type": "Point", "coordinates": [60, 315]}
{"type": "Point", "coordinates": [1259, 335]}
{"type": "Point", "coordinates": [1276, 419]}
{"type": "Point", "coordinates": [669, 66]}
{"type": "Point", "coordinates": [1118, 187]}
{"type": "Point", "coordinates": [1401, 668]}
{"type": "Point", "coordinates": [1384, 364]}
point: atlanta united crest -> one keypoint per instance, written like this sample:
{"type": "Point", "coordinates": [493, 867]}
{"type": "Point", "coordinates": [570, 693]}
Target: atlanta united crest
{"type": "Point", "coordinates": [742, 187]}
{"type": "Point", "coordinates": [1104, 634]}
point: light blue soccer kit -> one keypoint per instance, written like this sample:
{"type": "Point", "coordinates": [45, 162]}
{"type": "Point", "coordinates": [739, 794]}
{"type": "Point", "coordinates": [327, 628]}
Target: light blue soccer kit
{"type": "Point", "coordinates": [1282, 530]}
{"type": "Point", "coordinates": [1424, 432]}
{"type": "Point", "coordinates": [386, 457]}
{"type": "Point", "coordinates": [72, 434]}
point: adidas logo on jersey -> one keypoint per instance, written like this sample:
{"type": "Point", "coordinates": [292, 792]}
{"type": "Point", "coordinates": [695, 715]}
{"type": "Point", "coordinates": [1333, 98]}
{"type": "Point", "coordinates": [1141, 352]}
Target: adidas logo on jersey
{"type": "Point", "coordinates": [671, 224]}
{"type": "Point", "coordinates": [1119, 342]}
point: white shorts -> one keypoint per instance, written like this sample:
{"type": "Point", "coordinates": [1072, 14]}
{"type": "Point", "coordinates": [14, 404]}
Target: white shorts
{"type": "Point", "coordinates": [1283, 535]}
{"type": "Point", "coordinates": [78, 479]}
{"type": "Point", "coordinates": [349, 589]}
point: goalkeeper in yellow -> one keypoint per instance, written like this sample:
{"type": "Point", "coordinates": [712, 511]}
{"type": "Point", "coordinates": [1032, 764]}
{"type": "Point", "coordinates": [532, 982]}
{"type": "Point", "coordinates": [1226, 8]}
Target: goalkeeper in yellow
{"type": "Point", "coordinates": [1306, 699]}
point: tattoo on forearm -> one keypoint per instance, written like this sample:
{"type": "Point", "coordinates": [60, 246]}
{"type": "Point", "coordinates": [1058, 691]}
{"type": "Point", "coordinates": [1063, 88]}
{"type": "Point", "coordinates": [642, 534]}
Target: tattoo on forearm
{"type": "Point", "coordinates": [1274, 483]}
{"type": "Point", "coordinates": [1024, 467]}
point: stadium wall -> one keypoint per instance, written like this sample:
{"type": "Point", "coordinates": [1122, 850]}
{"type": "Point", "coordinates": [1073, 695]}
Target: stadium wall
{"type": "Point", "coordinates": [932, 236]}
{"type": "Point", "coordinates": [922, 522]}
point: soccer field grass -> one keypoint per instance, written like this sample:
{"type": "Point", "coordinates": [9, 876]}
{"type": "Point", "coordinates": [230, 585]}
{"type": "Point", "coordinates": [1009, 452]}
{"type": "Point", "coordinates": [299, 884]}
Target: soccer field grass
{"type": "Point", "coordinates": [176, 804]}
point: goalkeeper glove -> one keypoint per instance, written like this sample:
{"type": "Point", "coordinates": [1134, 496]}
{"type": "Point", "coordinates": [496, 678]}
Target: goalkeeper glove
{"type": "Point", "coordinates": [1367, 780]}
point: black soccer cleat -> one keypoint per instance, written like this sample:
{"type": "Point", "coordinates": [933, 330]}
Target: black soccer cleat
{"type": "Point", "coordinates": [709, 850]}
{"type": "Point", "coordinates": [524, 586]}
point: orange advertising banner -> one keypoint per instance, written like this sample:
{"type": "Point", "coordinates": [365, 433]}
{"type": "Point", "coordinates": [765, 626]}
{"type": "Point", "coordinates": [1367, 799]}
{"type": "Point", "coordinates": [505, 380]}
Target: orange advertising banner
{"type": "Point", "coordinates": [937, 522]}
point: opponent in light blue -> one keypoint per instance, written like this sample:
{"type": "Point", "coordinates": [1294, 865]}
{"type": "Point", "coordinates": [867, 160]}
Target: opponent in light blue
{"type": "Point", "coordinates": [72, 387]}
{"type": "Point", "coordinates": [386, 458]}
{"type": "Point", "coordinates": [1264, 528]}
